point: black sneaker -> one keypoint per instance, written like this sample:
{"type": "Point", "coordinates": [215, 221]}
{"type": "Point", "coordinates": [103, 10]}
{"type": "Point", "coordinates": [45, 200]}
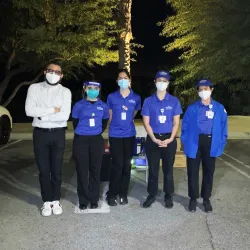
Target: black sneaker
{"type": "Point", "coordinates": [149, 201]}
{"type": "Point", "coordinates": [112, 201]}
{"type": "Point", "coordinates": [94, 206]}
{"type": "Point", "coordinates": [82, 207]}
{"type": "Point", "coordinates": [192, 205]}
{"type": "Point", "coordinates": [123, 200]}
{"type": "Point", "coordinates": [169, 202]}
{"type": "Point", "coordinates": [207, 206]}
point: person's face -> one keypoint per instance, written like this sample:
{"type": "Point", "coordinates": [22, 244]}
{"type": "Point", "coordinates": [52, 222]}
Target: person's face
{"type": "Point", "coordinates": [89, 87]}
{"type": "Point", "coordinates": [122, 75]}
{"type": "Point", "coordinates": [161, 79]}
{"type": "Point", "coordinates": [204, 88]}
{"type": "Point", "coordinates": [53, 68]}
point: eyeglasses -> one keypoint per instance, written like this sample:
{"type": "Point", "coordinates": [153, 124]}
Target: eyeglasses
{"type": "Point", "coordinates": [57, 72]}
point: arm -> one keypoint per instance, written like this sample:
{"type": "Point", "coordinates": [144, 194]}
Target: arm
{"type": "Point", "coordinates": [224, 126]}
{"type": "Point", "coordinates": [175, 127]}
{"type": "Point", "coordinates": [148, 128]}
{"type": "Point", "coordinates": [64, 113]}
{"type": "Point", "coordinates": [185, 124]}
{"type": "Point", "coordinates": [31, 108]}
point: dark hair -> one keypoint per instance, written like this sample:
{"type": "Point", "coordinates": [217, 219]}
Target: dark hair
{"type": "Point", "coordinates": [55, 63]}
{"type": "Point", "coordinates": [124, 71]}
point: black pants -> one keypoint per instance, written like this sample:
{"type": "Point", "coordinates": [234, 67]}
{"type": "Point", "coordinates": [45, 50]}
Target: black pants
{"type": "Point", "coordinates": [88, 153]}
{"type": "Point", "coordinates": [154, 154]}
{"type": "Point", "coordinates": [121, 150]}
{"type": "Point", "coordinates": [49, 150]}
{"type": "Point", "coordinates": [208, 167]}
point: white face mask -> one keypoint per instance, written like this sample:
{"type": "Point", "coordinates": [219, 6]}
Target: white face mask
{"type": "Point", "coordinates": [205, 94]}
{"type": "Point", "coordinates": [162, 86]}
{"type": "Point", "coordinates": [52, 78]}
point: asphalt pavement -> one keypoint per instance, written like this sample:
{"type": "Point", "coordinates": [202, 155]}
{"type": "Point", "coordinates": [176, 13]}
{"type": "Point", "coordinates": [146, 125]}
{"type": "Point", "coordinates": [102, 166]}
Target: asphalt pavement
{"type": "Point", "coordinates": [130, 226]}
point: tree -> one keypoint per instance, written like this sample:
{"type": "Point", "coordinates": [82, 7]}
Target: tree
{"type": "Point", "coordinates": [79, 34]}
{"type": "Point", "coordinates": [214, 40]}
{"type": "Point", "coordinates": [126, 35]}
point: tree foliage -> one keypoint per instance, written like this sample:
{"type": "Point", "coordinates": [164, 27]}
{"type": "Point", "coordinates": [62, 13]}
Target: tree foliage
{"type": "Point", "coordinates": [214, 39]}
{"type": "Point", "coordinates": [77, 33]}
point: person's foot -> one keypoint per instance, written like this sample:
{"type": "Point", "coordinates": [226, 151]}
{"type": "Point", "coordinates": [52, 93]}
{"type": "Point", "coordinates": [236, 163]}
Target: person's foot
{"type": "Point", "coordinates": [56, 207]}
{"type": "Point", "coordinates": [123, 200]}
{"type": "Point", "coordinates": [82, 207]}
{"type": "Point", "coordinates": [94, 206]}
{"type": "Point", "coordinates": [46, 209]}
{"type": "Point", "coordinates": [112, 201]}
{"type": "Point", "coordinates": [192, 205]}
{"type": "Point", "coordinates": [149, 201]}
{"type": "Point", "coordinates": [169, 202]}
{"type": "Point", "coordinates": [207, 206]}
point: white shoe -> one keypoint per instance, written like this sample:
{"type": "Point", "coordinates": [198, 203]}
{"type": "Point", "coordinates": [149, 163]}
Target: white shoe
{"type": "Point", "coordinates": [46, 209]}
{"type": "Point", "coordinates": [56, 207]}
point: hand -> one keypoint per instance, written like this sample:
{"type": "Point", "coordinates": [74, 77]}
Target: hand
{"type": "Point", "coordinates": [157, 141]}
{"type": "Point", "coordinates": [166, 142]}
{"type": "Point", "coordinates": [56, 110]}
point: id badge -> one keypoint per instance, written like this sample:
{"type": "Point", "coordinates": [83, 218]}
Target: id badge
{"type": "Point", "coordinates": [210, 114]}
{"type": "Point", "coordinates": [162, 118]}
{"type": "Point", "coordinates": [123, 116]}
{"type": "Point", "coordinates": [92, 122]}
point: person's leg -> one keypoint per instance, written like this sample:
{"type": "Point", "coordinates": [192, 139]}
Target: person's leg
{"type": "Point", "coordinates": [193, 166]}
{"type": "Point", "coordinates": [41, 142]}
{"type": "Point", "coordinates": [57, 147]}
{"type": "Point", "coordinates": [81, 158]}
{"type": "Point", "coordinates": [128, 150]}
{"type": "Point", "coordinates": [153, 154]}
{"type": "Point", "coordinates": [208, 168]}
{"type": "Point", "coordinates": [116, 150]}
{"type": "Point", "coordinates": [168, 158]}
{"type": "Point", "coordinates": [96, 155]}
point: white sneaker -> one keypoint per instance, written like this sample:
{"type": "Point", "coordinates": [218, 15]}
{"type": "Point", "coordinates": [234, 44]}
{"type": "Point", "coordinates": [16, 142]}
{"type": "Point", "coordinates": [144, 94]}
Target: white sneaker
{"type": "Point", "coordinates": [46, 209]}
{"type": "Point", "coordinates": [56, 207]}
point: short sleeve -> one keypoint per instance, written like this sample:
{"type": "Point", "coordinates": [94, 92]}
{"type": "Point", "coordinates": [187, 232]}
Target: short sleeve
{"type": "Point", "coordinates": [138, 103]}
{"type": "Point", "coordinates": [109, 102]}
{"type": "Point", "coordinates": [105, 111]}
{"type": "Point", "coordinates": [177, 108]}
{"type": "Point", "coordinates": [145, 108]}
{"type": "Point", "coordinates": [75, 111]}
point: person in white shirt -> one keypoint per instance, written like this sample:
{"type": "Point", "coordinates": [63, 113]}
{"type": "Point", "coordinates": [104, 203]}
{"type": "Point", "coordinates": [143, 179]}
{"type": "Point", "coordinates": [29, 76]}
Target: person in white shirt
{"type": "Point", "coordinates": [49, 103]}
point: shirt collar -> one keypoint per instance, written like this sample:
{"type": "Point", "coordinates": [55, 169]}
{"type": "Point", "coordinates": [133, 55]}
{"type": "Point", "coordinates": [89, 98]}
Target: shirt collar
{"type": "Point", "coordinates": [46, 85]}
{"type": "Point", "coordinates": [130, 94]}
{"type": "Point", "coordinates": [165, 98]}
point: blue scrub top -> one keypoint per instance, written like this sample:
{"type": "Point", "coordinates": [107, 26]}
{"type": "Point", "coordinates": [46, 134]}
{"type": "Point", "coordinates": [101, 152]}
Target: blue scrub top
{"type": "Point", "coordinates": [204, 123]}
{"type": "Point", "coordinates": [119, 127]}
{"type": "Point", "coordinates": [154, 108]}
{"type": "Point", "coordinates": [86, 112]}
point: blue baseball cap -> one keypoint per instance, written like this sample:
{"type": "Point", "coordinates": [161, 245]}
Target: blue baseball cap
{"type": "Point", "coordinates": [204, 82]}
{"type": "Point", "coordinates": [97, 84]}
{"type": "Point", "coordinates": [163, 74]}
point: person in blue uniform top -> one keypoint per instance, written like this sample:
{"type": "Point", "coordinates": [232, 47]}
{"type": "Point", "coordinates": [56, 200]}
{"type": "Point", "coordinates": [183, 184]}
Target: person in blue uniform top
{"type": "Point", "coordinates": [204, 135]}
{"type": "Point", "coordinates": [90, 117]}
{"type": "Point", "coordinates": [123, 106]}
{"type": "Point", "coordinates": [161, 115]}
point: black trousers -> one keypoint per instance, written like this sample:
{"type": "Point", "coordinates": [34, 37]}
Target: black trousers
{"type": "Point", "coordinates": [208, 167]}
{"type": "Point", "coordinates": [121, 150]}
{"type": "Point", "coordinates": [88, 153]}
{"type": "Point", "coordinates": [154, 154]}
{"type": "Point", "coordinates": [49, 150]}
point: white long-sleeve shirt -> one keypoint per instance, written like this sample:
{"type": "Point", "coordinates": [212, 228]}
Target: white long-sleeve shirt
{"type": "Point", "coordinates": [41, 100]}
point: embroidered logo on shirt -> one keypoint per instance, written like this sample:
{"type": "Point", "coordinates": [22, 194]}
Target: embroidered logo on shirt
{"type": "Point", "coordinates": [131, 101]}
{"type": "Point", "coordinates": [99, 108]}
{"type": "Point", "coordinates": [168, 107]}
